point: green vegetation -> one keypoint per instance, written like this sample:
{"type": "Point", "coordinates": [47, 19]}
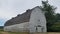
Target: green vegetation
{"type": "Point", "coordinates": [1, 27]}
{"type": "Point", "coordinates": [53, 19]}
{"type": "Point", "coordinates": [56, 27]}
{"type": "Point", "coordinates": [2, 32]}
{"type": "Point", "coordinates": [18, 32]}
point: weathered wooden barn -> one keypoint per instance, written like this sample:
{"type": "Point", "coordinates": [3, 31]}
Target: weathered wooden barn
{"type": "Point", "coordinates": [33, 20]}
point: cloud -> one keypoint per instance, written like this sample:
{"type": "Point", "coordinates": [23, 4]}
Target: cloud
{"type": "Point", "coordinates": [10, 8]}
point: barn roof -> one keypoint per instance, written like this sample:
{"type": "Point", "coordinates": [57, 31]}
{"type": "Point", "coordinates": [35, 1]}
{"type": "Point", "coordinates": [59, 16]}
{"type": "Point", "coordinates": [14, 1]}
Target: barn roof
{"type": "Point", "coordinates": [20, 18]}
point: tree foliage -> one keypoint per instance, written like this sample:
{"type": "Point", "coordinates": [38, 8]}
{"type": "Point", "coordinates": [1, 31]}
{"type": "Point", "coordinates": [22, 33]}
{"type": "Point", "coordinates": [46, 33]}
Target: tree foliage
{"type": "Point", "coordinates": [49, 13]}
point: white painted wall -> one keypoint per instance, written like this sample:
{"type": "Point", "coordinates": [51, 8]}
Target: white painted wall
{"type": "Point", "coordinates": [37, 15]}
{"type": "Point", "coordinates": [23, 27]}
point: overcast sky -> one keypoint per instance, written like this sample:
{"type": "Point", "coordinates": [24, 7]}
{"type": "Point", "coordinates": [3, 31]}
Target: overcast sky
{"type": "Point", "coordinates": [10, 8]}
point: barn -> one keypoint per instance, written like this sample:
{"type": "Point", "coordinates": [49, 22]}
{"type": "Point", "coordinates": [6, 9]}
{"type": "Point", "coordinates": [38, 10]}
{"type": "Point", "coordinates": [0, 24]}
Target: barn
{"type": "Point", "coordinates": [33, 20]}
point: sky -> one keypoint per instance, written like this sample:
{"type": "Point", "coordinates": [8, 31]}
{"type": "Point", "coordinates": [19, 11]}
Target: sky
{"type": "Point", "coordinates": [10, 8]}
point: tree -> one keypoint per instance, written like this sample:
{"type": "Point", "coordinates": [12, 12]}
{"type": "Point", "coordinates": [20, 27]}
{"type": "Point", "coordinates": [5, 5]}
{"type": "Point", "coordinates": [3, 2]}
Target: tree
{"type": "Point", "coordinates": [49, 13]}
{"type": "Point", "coordinates": [57, 16]}
{"type": "Point", "coordinates": [56, 26]}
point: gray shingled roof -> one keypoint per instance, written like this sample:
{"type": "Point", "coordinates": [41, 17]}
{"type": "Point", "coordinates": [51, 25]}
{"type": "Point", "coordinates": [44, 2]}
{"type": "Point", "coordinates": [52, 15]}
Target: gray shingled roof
{"type": "Point", "coordinates": [21, 18]}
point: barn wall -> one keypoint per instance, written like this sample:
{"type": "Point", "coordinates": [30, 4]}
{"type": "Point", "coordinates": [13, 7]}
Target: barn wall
{"type": "Point", "coordinates": [37, 18]}
{"type": "Point", "coordinates": [23, 27]}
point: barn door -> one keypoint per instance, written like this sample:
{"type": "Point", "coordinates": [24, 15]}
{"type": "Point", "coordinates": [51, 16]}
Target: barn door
{"type": "Point", "coordinates": [39, 29]}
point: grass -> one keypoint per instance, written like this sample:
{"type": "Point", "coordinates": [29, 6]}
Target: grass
{"type": "Point", "coordinates": [3, 32]}
{"type": "Point", "coordinates": [13, 33]}
{"type": "Point", "coordinates": [18, 32]}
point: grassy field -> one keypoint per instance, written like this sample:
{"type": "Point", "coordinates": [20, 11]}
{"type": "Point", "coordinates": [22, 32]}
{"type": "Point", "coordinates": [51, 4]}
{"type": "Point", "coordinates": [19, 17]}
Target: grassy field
{"type": "Point", "coordinates": [14, 33]}
{"type": "Point", "coordinates": [3, 32]}
{"type": "Point", "coordinates": [49, 33]}
{"type": "Point", "coordinates": [27, 33]}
